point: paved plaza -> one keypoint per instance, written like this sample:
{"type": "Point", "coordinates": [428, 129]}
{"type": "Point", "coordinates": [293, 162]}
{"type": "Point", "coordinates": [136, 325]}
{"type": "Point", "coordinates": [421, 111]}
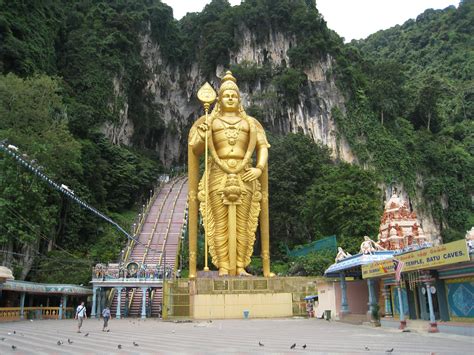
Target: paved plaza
{"type": "Point", "coordinates": [220, 336]}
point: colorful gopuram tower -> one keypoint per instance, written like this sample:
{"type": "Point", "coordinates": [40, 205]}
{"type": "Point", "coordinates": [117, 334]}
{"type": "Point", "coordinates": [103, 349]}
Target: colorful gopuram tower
{"type": "Point", "coordinates": [399, 227]}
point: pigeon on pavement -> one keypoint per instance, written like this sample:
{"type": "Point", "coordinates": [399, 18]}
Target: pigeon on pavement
{"type": "Point", "coordinates": [389, 350]}
{"type": "Point", "coordinates": [119, 346]}
{"type": "Point", "coordinates": [304, 346]}
{"type": "Point", "coordinates": [135, 344]}
{"type": "Point", "coordinates": [260, 344]}
{"type": "Point", "coordinates": [293, 346]}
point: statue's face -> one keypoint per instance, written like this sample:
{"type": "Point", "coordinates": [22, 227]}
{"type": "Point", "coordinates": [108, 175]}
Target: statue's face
{"type": "Point", "coordinates": [230, 100]}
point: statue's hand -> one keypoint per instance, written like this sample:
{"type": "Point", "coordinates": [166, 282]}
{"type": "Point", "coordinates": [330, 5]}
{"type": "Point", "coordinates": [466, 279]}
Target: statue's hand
{"type": "Point", "coordinates": [252, 174]}
{"type": "Point", "coordinates": [202, 129]}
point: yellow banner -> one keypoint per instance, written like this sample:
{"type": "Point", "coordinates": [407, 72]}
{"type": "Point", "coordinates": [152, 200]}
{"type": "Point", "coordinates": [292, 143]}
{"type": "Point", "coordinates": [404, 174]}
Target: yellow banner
{"type": "Point", "coordinates": [445, 254]}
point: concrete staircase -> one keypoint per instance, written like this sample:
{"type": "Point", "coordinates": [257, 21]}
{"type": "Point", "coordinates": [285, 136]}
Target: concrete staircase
{"type": "Point", "coordinates": [159, 242]}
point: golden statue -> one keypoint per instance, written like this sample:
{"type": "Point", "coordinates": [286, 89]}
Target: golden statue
{"type": "Point", "coordinates": [238, 192]}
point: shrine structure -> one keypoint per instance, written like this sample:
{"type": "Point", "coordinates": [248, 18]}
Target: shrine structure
{"type": "Point", "coordinates": [403, 275]}
{"type": "Point", "coordinates": [399, 227]}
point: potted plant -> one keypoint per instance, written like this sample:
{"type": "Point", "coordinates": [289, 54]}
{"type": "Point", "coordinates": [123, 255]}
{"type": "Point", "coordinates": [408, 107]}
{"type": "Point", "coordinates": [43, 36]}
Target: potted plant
{"type": "Point", "coordinates": [376, 316]}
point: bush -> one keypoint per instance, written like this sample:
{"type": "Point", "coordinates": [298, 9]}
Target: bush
{"type": "Point", "coordinates": [313, 264]}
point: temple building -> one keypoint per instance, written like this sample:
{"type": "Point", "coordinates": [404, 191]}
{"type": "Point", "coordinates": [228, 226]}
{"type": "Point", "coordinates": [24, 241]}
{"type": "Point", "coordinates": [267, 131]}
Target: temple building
{"type": "Point", "coordinates": [31, 300]}
{"type": "Point", "coordinates": [404, 277]}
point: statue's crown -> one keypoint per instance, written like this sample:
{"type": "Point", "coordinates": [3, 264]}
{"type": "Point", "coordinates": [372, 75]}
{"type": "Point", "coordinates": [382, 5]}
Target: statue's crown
{"type": "Point", "coordinates": [228, 83]}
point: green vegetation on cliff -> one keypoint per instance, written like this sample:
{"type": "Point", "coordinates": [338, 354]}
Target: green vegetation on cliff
{"type": "Point", "coordinates": [68, 68]}
{"type": "Point", "coordinates": [411, 114]}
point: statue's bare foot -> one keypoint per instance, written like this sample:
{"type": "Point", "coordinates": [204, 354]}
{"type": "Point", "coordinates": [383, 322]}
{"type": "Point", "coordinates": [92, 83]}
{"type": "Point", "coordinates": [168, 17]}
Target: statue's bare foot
{"type": "Point", "coordinates": [223, 272]}
{"type": "Point", "coordinates": [270, 274]}
{"type": "Point", "coordinates": [242, 272]}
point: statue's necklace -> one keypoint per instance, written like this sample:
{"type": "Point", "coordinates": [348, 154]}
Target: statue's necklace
{"type": "Point", "coordinates": [232, 132]}
{"type": "Point", "coordinates": [250, 148]}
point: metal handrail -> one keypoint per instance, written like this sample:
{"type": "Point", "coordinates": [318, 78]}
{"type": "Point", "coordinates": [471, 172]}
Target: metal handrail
{"type": "Point", "coordinates": [139, 226]}
{"type": "Point", "coordinates": [166, 238]}
{"type": "Point", "coordinates": [151, 235]}
{"type": "Point", "coordinates": [169, 222]}
{"type": "Point", "coordinates": [131, 242]}
{"type": "Point", "coordinates": [156, 222]}
{"type": "Point", "coordinates": [183, 232]}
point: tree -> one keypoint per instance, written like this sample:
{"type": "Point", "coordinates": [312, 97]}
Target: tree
{"type": "Point", "coordinates": [428, 101]}
{"type": "Point", "coordinates": [385, 89]}
{"type": "Point", "coordinates": [33, 118]}
{"type": "Point", "coordinates": [294, 162]}
{"type": "Point", "coordinates": [343, 200]}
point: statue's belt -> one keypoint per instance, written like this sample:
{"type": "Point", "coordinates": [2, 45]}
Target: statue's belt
{"type": "Point", "coordinates": [231, 163]}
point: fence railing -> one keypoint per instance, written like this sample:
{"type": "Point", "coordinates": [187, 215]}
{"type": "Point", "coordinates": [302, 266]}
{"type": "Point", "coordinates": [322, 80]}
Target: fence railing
{"type": "Point", "coordinates": [14, 313]}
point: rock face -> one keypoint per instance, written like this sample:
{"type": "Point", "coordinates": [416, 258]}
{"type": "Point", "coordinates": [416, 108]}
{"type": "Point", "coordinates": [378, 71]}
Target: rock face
{"type": "Point", "coordinates": [312, 113]}
{"type": "Point", "coordinates": [174, 92]}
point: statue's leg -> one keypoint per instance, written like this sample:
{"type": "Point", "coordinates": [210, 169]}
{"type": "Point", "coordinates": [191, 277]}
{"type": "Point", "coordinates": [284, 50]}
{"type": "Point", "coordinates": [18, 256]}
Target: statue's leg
{"type": "Point", "coordinates": [245, 234]}
{"type": "Point", "coordinates": [220, 239]}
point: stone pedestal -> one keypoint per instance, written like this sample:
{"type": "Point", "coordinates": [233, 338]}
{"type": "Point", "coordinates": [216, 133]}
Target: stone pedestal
{"type": "Point", "coordinates": [238, 297]}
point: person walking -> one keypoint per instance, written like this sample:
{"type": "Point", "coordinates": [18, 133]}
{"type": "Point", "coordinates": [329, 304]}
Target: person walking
{"type": "Point", "coordinates": [106, 315]}
{"type": "Point", "coordinates": [81, 313]}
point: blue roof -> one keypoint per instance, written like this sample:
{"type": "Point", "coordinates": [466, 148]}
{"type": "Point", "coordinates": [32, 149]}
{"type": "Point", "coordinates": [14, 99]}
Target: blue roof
{"type": "Point", "coordinates": [357, 260]}
{"type": "Point", "coordinates": [34, 287]}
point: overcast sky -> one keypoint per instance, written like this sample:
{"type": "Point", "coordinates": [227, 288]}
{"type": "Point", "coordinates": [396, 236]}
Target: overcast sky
{"type": "Point", "coordinates": [351, 19]}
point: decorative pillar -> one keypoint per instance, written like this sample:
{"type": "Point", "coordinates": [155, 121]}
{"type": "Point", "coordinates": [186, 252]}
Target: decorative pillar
{"type": "Point", "coordinates": [94, 301]}
{"type": "Point", "coordinates": [372, 298]}
{"type": "Point", "coordinates": [22, 305]}
{"type": "Point", "coordinates": [403, 322]}
{"type": "Point", "coordinates": [388, 301]}
{"type": "Point", "coordinates": [433, 325]}
{"type": "Point", "coordinates": [119, 299]}
{"type": "Point", "coordinates": [127, 302]}
{"type": "Point", "coordinates": [64, 303]}
{"type": "Point", "coordinates": [60, 313]}
{"type": "Point", "coordinates": [144, 291]}
{"type": "Point", "coordinates": [99, 303]}
{"type": "Point", "coordinates": [103, 299]}
{"type": "Point", "coordinates": [344, 304]}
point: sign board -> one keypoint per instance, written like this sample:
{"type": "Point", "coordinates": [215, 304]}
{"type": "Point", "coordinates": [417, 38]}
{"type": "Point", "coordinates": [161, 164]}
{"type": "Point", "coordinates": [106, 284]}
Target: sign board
{"type": "Point", "coordinates": [429, 258]}
{"type": "Point", "coordinates": [221, 285]}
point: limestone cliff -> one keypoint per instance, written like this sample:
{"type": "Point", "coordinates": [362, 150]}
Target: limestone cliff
{"type": "Point", "coordinates": [174, 91]}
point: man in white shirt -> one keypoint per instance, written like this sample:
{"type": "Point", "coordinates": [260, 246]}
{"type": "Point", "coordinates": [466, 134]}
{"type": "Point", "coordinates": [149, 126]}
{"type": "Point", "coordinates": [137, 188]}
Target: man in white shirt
{"type": "Point", "coordinates": [81, 313]}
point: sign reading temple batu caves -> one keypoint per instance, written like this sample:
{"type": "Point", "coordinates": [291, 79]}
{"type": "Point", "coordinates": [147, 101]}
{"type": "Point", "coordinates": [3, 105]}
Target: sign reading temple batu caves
{"type": "Point", "coordinates": [441, 255]}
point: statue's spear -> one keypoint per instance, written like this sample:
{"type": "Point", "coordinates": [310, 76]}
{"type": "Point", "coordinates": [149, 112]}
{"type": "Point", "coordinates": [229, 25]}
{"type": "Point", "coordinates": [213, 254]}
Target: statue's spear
{"type": "Point", "coordinates": [207, 96]}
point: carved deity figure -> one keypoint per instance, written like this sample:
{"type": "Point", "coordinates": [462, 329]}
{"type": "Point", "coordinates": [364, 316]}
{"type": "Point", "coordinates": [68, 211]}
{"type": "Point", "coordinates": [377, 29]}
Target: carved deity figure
{"type": "Point", "coordinates": [235, 196]}
{"type": "Point", "coordinates": [470, 238]}
{"type": "Point", "coordinates": [368, 246]}
{"type": "Point", "coordinates": [341, 254]}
